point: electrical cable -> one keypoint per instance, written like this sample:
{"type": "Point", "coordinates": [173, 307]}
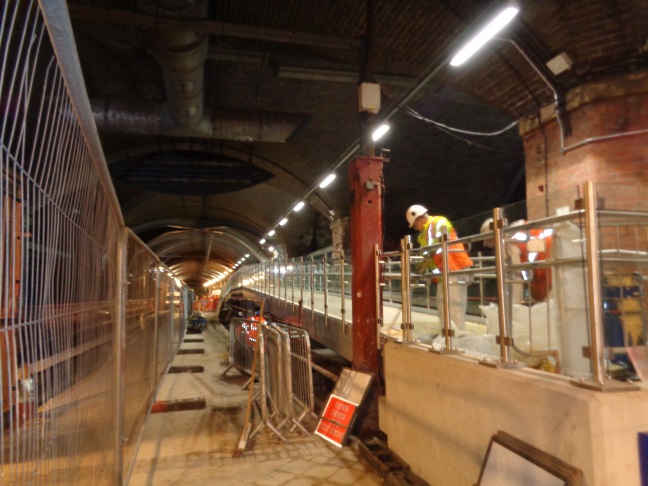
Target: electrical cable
{"type": "Point", "coordinates": [413, 113]}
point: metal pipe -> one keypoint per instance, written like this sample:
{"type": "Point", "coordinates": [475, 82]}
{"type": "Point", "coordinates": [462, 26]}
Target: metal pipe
{"type": "Point", "coordinates": [285, 285]}
{"type": "Point", "coordinates": [445, 272]}
{"type": "Point", "coordinates": [594, 284]}
{"type": "Point", "coordinates": [599, 139]}
{"type": "Point", "coordinates": [142, 20]}
{"type": "Point", "coordinates": [480, 264]}
{"type": "Point", "coordinates": [406, 310]}
{"type": "Point", "coordinates": [292, 284]}
{"type": "Point", "coordinates": [325, 273]}
{"type": "Point", "coordinates": [312, 285]}
{"type": "Point", "coordinates": [301, 286]}
{"type": "Point", "coordinates": [498, 223]}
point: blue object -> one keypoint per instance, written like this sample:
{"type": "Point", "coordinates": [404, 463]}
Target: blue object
{"type": "Point", "coordinates": [643, 457]}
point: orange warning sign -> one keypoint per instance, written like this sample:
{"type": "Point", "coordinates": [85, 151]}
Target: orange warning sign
{"type": "Point", "coordinates": [336, 420]}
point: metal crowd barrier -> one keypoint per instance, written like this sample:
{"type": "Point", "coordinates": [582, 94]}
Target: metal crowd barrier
{"type": "Point", "coordinates": [243, 334]}
{"type": "Point", "coordinates": [301, 369]}
{"type": "Point", "coordinates": [286, 395]}
{"type": "Point", "coordinates": [274, 399]}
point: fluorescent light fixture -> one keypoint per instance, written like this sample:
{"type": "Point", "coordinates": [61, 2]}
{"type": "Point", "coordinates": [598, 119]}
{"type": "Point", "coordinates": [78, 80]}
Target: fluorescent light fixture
{"type": "Point", "coordinates": [298, 206]}
{"type": "Point", "coordinates": [486, 34]}
{"type": "Point", "coordinates": [283, 221]}
{"type": "Point", "coordinates": [247, 255]}
{"type": "Point", "coordinates": [271, 249]}
{"type": "Point", "coordinates": [272, 232]}
{"type": "Point", "coordinates": [327, 181]}
{"type": "Point", "coordinates": [261, 241]}
{"type": "Point", "coordinates": [380, 131]}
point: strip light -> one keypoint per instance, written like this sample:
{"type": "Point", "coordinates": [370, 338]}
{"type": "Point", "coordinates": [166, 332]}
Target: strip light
{"type": "Point", "coordinates": [487, 33]}
{"type": "Point", "coordinates": [329, 178]}
{"type": "Point", "coordinates": [379, 132]}
{"type": "Point", "coordinates": [298, 206]}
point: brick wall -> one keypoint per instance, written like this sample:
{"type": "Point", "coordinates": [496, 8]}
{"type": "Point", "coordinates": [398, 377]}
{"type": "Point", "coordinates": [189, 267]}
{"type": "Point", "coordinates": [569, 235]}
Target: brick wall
{"type": "Point", "coordinates": [614, 162]}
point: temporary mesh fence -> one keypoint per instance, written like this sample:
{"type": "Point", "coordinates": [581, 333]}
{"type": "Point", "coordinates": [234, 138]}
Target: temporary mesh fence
{"type": "Point", "coordinates": [81, 352]}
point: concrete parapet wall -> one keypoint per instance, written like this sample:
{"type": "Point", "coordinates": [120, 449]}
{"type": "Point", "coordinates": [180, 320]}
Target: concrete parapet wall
{"type": "Point", "coordinates": [440, 411]}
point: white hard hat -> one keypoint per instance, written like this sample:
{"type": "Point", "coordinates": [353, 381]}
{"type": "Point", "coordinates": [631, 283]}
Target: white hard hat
{"type": "Point", "coordinates": [486, 225]}
{"type": "Point", "coordinates": [414, 212]}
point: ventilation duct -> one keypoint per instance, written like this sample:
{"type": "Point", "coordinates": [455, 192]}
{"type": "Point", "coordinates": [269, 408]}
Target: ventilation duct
{"type": "Point", "coordinates": [181, 54]}
{"type": "Point", "coordinates": [144, 118]}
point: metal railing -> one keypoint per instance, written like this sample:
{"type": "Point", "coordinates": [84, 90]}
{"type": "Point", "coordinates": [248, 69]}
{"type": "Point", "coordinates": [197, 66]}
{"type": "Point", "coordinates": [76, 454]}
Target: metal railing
{"type": "Point", "coordinates": [317, 284]}
{"type": "Point", "coordinates": [565, 292]}
{"type": "Point", "coordinates": [90, 317]}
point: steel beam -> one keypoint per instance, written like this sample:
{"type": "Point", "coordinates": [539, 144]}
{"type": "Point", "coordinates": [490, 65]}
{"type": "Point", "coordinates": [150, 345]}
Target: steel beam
{"type": "Point", "coordinates": [365, 177]}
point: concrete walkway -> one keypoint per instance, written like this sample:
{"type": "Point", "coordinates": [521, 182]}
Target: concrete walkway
{"type": "Point", "coordinates": [195, 447]}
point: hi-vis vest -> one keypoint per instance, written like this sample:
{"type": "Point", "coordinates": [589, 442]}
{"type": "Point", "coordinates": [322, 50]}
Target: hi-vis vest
{"type": "Point", "coordinates": [536, 247]}
{"type": "Point", "coordinates": [431, 235]}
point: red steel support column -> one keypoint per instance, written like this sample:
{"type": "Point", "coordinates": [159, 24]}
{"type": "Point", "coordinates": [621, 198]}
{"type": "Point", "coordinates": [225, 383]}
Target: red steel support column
{"type": "Point", "coordinates": [365, 178]}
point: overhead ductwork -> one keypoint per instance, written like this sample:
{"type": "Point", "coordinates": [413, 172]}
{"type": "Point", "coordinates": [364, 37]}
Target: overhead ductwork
{"type": "Point", "coordinates": [145, 118]}
{"type": "Point", "coordinates": [181, 54]}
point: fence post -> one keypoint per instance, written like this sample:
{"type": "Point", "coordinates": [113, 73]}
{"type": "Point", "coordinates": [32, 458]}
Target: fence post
{"type": "Point", "coordinates": [119, 334]}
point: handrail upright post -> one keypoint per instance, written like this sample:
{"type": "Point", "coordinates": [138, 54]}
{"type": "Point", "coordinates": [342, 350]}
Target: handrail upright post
{"type": "Point", "coordinates": [301, 286]}
{"type": "Point", "coordinates": [448, 332]}
{"type": "Point", "coordinates": [312, 287]}
{"type": "Point", "coordinates": [481, 279]}
{"type": "Point", "coordinates": [406, 310]}
{"type": "Point", "coordinates": [276, 291]}
{"type": "Point", "coordinates": [595, 315]}
{"type": "Point", "coordinates": [285, 284]}
{"type": "Point", "coordinates": [594, 284]}
{"type": "Point", "coordinates": [325, 277]}
{"type": "Point", "coordinates": [504, 340]}
{"type": "Point", "coordinates": [292, 284]}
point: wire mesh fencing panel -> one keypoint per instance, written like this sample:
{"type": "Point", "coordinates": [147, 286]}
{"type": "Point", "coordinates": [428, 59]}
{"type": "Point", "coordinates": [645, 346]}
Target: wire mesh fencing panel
{"type": "Point", "coordinates": [59, 292]}
{"type": "Point", "coordinates": [78, 352]}
{"type": "Point", "coordinates": [140, 349]}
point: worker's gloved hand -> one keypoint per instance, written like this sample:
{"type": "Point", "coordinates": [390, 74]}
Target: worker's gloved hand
{"type": "Point", "coordinates": [424, 266]}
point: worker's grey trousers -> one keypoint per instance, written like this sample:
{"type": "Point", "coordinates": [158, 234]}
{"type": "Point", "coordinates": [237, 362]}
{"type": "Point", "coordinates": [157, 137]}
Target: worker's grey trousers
{"type": "Point", "coordinates": [458, 297]}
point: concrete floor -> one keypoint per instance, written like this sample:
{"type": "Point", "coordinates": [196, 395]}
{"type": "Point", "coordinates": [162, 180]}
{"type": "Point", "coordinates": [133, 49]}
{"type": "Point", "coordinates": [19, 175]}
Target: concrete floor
{"type": "Point", "coordinates": [197, 446]}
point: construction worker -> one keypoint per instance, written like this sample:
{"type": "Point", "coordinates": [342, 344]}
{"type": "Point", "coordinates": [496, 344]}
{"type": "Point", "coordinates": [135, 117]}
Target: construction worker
{"type": "Point", "coordinates": [429, 233]}
{"type": "Point", "coordinates": [255, 322]}
{"type": "Point", "coordinates": [527, 246]}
